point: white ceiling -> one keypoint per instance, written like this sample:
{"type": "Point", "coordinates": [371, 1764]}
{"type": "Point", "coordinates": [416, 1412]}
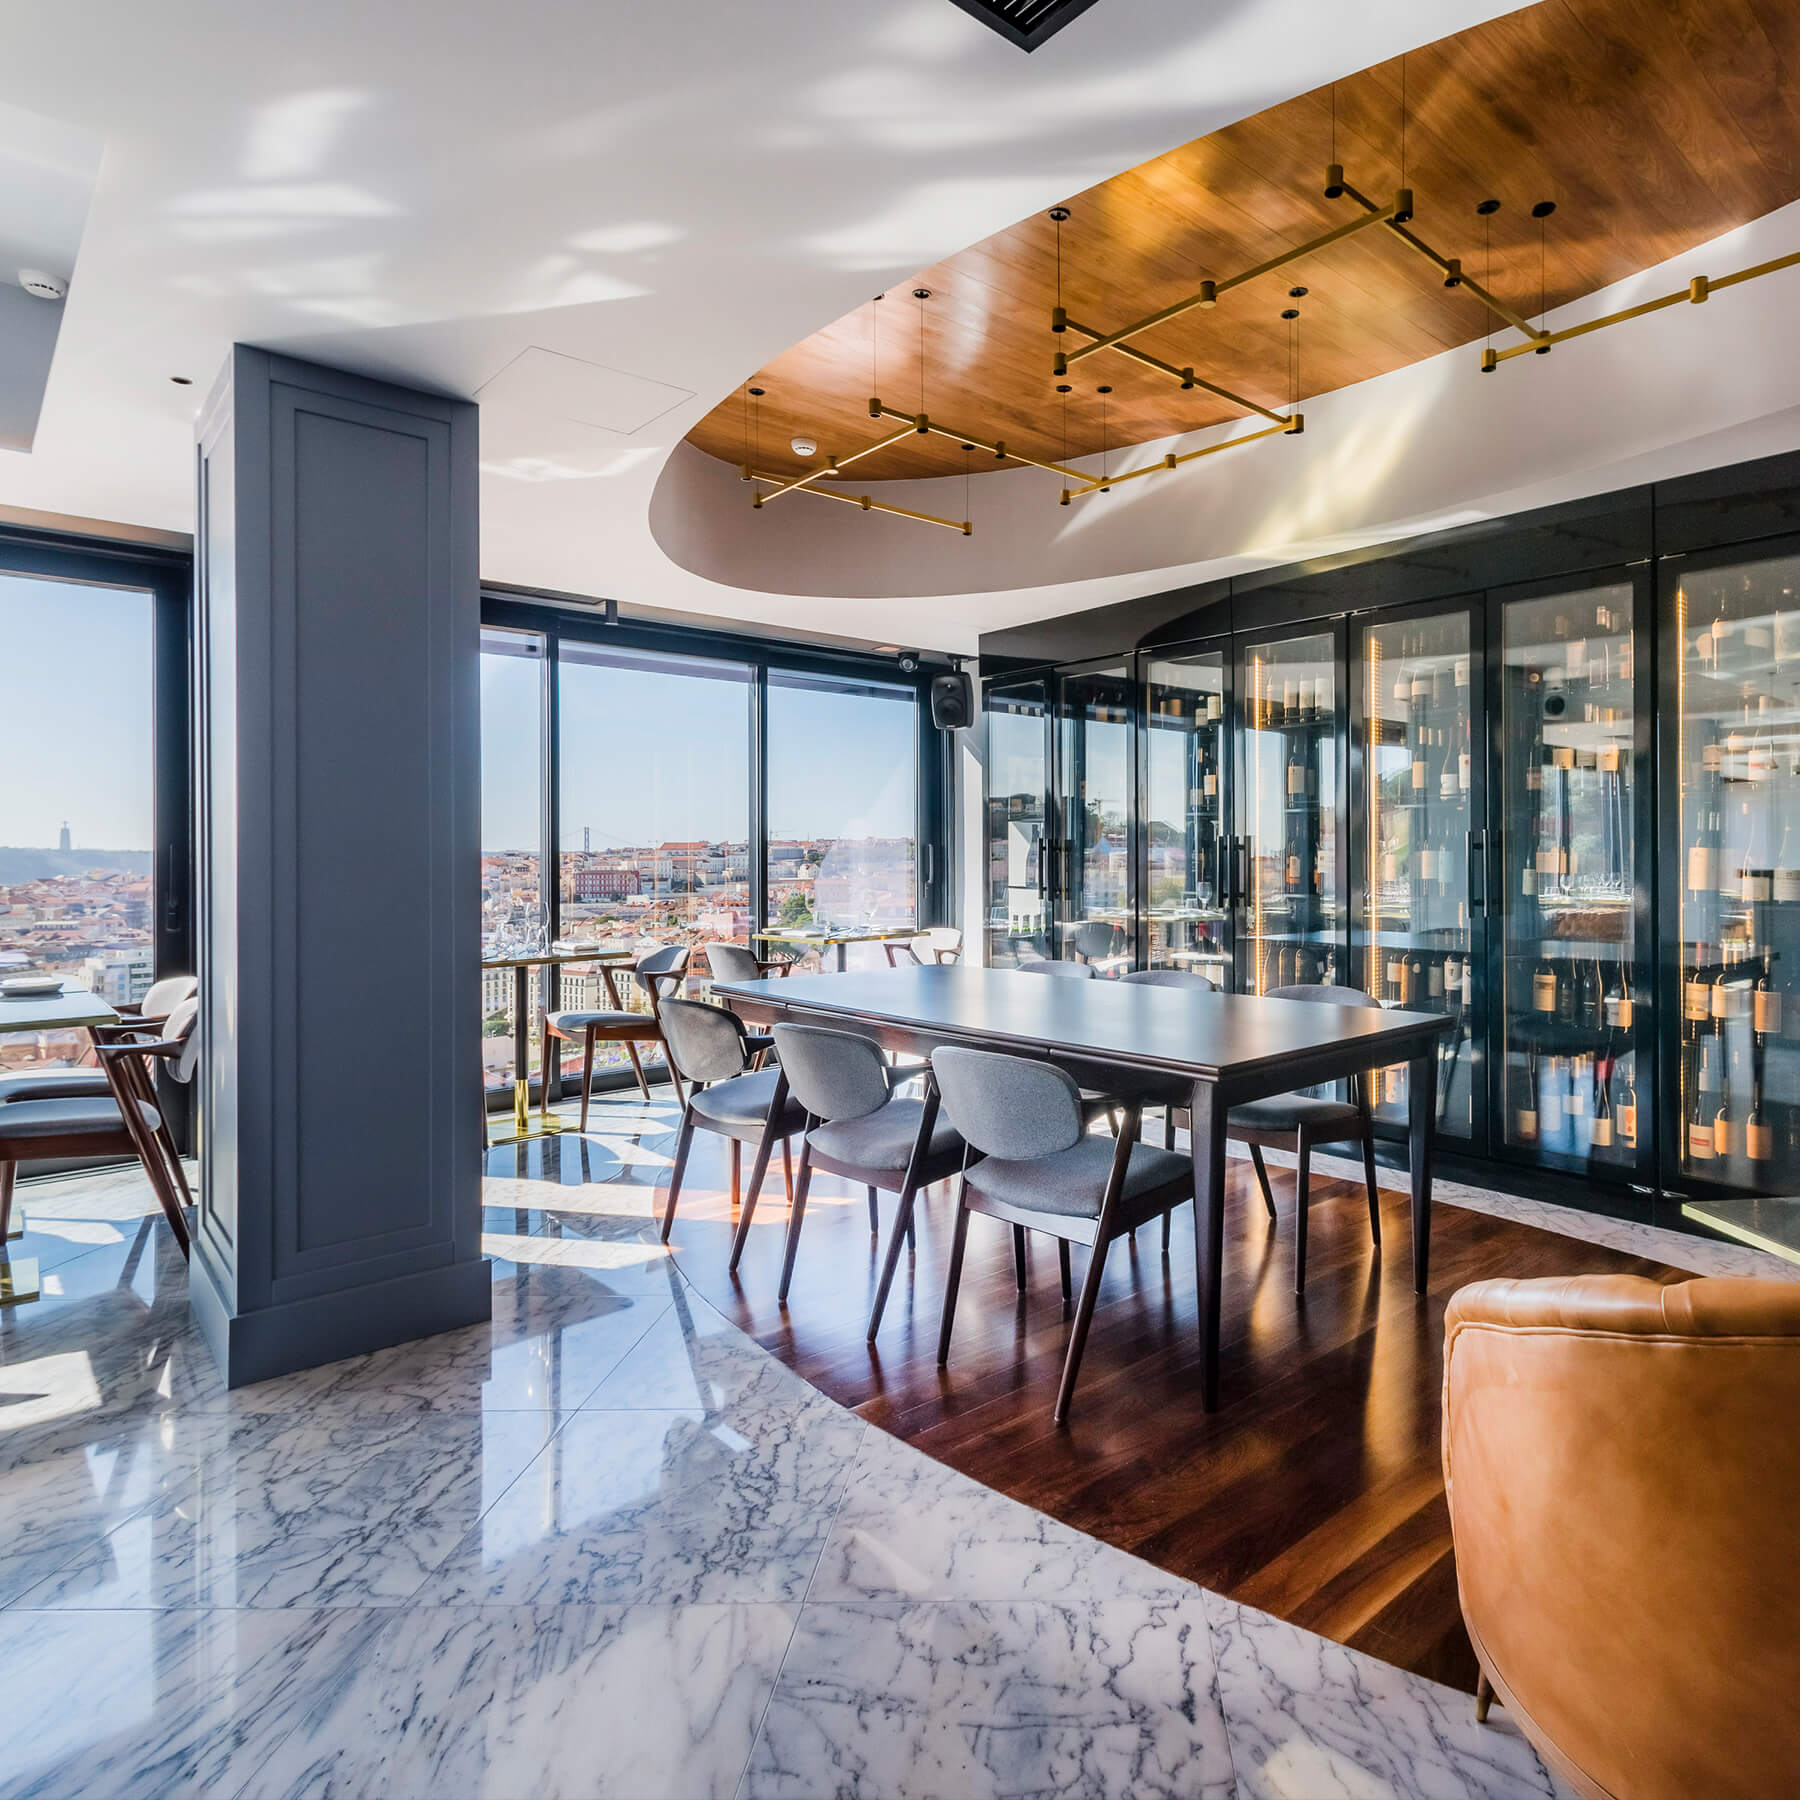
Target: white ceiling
{"type": "Point", "coordinates": [462, 195]}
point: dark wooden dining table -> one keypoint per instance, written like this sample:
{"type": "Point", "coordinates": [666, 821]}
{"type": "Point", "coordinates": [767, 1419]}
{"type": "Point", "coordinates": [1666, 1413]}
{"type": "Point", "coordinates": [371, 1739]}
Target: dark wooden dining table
{"type": "Point", "coordinates": [1146, 1045]}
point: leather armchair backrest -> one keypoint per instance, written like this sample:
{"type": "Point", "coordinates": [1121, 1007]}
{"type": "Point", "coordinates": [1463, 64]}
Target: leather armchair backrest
{"type": "Point", "coordinates": [1623, 1469]}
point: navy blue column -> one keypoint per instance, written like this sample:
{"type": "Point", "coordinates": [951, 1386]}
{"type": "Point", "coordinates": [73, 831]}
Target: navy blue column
{"type": "Point", "coordinates": [338, 708]}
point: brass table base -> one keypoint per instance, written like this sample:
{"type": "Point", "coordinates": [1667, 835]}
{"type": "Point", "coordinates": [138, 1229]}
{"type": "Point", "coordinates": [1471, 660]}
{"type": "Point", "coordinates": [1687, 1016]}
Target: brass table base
{"type": "Point", "coordinates": [18, 1281]}
{"type": "Point", "coordinates": [522, 1125]}
{"type": "Point", "coordinates": [16, 1228]}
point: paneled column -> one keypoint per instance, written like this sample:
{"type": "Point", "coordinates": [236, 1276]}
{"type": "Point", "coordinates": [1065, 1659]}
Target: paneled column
{"type": "Point", "coordinates": [338, 706]}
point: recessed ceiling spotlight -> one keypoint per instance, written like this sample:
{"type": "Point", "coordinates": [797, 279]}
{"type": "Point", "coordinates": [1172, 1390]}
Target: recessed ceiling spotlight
{"type": "Point", "coordinates": [42, 285]}
{"type": "Point", "coordinates": [1290, 312]}
{"type": "Point", "coordinates": [803, 446]}
{"type": "Point", "coordinates": [1296, 293]}
{"type": "Point", "coordinates": [182, 380]}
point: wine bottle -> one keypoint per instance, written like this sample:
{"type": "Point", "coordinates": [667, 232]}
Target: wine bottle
{"type": "Point", "coordinates": [1552, 1099]}
{"type": "Point", "coordinates": [1603, 1110]}
{"type": "Point", "coordinates": [1704, 1107]}
{"type": "Point", "coordinates": [1543, 987]}
{"type": "Point", "coordinates": [1724, 1127]}
{"type": "Point", "coordinates": [1617, 1004]}
{"type": "Point", "coordinates": [1296, 772]}
{"type": "Point", "coordinates": [1627, 1113]}
{"type": "Point", "coordinates": [1759, 1134]}
{"type": "Point", "coordinates": [1525, 1116]}
{"type": "Point", "coordinates": [1766, 1007]}
{"type": "Point", "coordinates": [1565, 992]}
{"type": "Point", "coordinates": [1589, 1008]}
{"type": "Point", "coordinates": [1696, 992]}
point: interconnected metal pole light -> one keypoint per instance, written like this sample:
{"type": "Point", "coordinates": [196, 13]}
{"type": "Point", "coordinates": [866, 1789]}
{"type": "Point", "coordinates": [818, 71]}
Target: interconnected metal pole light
{"type": "Point", "coordinates": [1395, 216]}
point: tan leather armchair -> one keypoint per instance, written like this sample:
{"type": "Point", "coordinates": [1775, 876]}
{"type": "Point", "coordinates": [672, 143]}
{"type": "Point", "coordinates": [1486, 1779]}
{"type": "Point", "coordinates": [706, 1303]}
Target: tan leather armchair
{"type": "Point", "coordinates": [1623, 1467]}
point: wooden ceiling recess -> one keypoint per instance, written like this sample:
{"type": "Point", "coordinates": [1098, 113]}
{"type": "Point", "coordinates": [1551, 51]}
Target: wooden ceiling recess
{"type": "Point", "coordinates": [1458, 193]}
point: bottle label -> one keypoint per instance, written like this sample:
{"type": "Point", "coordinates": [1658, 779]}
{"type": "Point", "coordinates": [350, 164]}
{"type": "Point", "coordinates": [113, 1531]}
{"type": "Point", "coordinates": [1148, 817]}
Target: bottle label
{"type": "Point", "coordinates": [1700, 1141]}
{"type": "Point", "coordinates": [1525, 1122]}
{"type": "Point", "coordinates": [1462, 770]}
{"type": "Point", "coordinates": [1786, 885]}
{"type": "Point", "coordinates": [1722, 1134]}
{"type": "Point", "coordinates": [1418, 774]}
{"type": "Point", "coordinates": [1712, 759]}
{"type": "Point", "coordinates": [1550, 1105]}
{"type": "Point", "coordinates": [1768, 1009]}
{"type": "Point", "coordinates": [1462, 671]}
{"type": "Point", "coordinates": [1603, 1133]}
{"type": "Point", "coordinates": [1759, 1142]}
{"type": "Point", "coordinates": [1721, 1001]}
{"type": "Point", "coordinates": [1296, 778]}
{"type": "Point", "coordinates": [1628, 1123]}
{"type": "Point", "coordinates": [1695, 1000]}
{"type": "Point", "coordinates": [1534, 778]}
{"type": "Point", "coordinates": [1624, 1010]}
{"type": "Point", "coordinates": [1543, 991]}
{"type": "Point", "coordinates": [1578, 1100]}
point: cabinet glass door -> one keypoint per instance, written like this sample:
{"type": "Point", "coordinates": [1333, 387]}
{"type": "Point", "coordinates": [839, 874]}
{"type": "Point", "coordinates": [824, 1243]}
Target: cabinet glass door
{"type": "Point", "coordinates": [1574, 1088]}
{"type": "Point", "coordinates": [1289, 924]}
{"type": "Point", "coordinates": [1095, 761]}
{"type": "Point", "coordinates": [1018, 850]}
{"type": "Point", "coordinates": [1186, 801]}
{"type": "Point", "coordinates": [1736, 1075]}
{"type": "Point", "coordinates": [1416, 680]}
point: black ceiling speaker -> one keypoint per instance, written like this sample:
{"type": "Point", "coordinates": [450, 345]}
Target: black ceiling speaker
{"type": "Point", "coordinates": [1026, 23]}
{"type": "Point", "coordinates": [952, 702]}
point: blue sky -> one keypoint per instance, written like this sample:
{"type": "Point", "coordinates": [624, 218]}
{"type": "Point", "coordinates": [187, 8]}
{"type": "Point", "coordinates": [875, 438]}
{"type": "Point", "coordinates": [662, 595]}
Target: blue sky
{"type": "Point", "coordinates": [75, 720]}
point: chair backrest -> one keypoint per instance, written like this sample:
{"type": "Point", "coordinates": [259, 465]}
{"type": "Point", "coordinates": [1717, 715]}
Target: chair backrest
{"type": "Point", "coordinates": [705, 1043]}
{"type": "Point", "coordinates": [944, 943]}
{"type": "Point", "coordinates": [180, 1026]}
{"type": "Point", "coordinates": [1049, 966]}
{"type": "Point", "coordinates": [833, 1074]}
{"type": "Point", "coordinates": [1325, 992]}
{"type": "Point", "coordinates": [165, 995]}
{"type": "Point", "coordinates": [1175, 978]}
{"type": "Point", "coordinates": [1012, 1107]}
{"type": "Point", "coordinates": [1093, 937]}
{"type": "Point", "coordinates": [732, 962]}
{"type": "Point", "coordinates": [1621, 1496]}
{"type": "Point", "coordinates": [671, 959]}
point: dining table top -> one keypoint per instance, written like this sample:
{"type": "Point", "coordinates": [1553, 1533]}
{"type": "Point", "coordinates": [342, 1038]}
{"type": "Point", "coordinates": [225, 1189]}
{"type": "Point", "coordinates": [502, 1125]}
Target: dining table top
{"type": "Point", "coordinates": [530, 959]}
{"type": "Point", "coordinates": [848, 934]}
{"type": "Point", "coordinates": [1189, 1031]}
{"type": "Point", "coordinates": [69, 1010]}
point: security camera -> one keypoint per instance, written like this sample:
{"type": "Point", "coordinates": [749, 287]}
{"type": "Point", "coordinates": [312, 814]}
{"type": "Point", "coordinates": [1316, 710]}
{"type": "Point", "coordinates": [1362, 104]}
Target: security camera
{"type": "Point", "coordinates": [909, 662]}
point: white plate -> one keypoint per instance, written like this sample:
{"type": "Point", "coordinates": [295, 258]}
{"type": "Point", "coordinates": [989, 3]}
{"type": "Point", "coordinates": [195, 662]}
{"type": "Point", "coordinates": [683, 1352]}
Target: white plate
{"type": "Point", "coordinates": [31, 987]}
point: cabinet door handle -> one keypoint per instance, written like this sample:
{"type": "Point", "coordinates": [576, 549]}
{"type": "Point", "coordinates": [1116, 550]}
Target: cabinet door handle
{"type": "Point", "coordinates": [1477, 868]}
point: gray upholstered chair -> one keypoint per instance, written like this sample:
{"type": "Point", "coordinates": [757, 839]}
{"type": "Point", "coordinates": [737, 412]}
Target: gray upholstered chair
{"type": "Point", "coordinates": [1096, 944]}
{"type": "Point", "coordinates": [732, 962]}
{"type": "Point", "coordinates": [616, 1025]}
{"type": "Point", "coordinates": [1172, 978]}
{"type": "Point", "coordinates": [121, 1121]}
{"type": "Point", "coordinates": [1094, 1104]}
{"type": "Point", "coordinates": [859, 1128]}
{"type": "Point", "coordinates": [712, 1049]}
{"type": "Point", "coordinates": [936, 944]}
{"type": "Point", "coordinates": [1043, 1172]}
{"type": "Point", "coordinates": [1049, 965]}
{"type": "Point", "coordinates": [1298, 1122]}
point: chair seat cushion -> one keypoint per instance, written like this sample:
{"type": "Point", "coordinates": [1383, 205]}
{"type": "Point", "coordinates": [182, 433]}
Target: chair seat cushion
{"type": "Point", "coordinates": [883, 1139]}
{"type": "Point", "coordinates": [1073, 1182]}
{"type": "Point", "coordinates": [1325, 1120]}
{"type": "Point", "coordinates": [59, 1084]}
{"type": "Point", "coordinates": [23, 1120]}
{"type": "Point", "coordinates": [740, 1106]}
{"type": "Point", "coordinates": [606, 1024]}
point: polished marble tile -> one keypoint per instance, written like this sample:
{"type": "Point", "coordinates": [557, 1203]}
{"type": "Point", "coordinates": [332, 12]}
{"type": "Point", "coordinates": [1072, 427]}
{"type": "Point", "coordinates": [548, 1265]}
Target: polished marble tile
{"type": "Point", "coordinates": [289, 1512]}
{"type": "Point", "coordinates": [499, 1703]}
{"type": "Point", "coordinates": [161, 1705]}
{"type": "Point", "coordinates": [1312, 1720]}
{"type": "Point", "coordinates": [996, 1698]}
{"type": "Point", "coordinates": [911, 1529]}
{"type": "Point", "coordinates": [661, 1507]}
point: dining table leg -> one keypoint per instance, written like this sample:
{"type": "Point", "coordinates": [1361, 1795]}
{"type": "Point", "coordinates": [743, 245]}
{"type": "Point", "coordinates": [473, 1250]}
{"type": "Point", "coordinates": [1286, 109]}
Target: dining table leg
{"type": "Point", "coordinates": [521, 1049]}
{"type": "Point", "coordinates": [843, 957]}
{"type": "Point", "coordinates": [1206, 1133]}
{"type": "Point", "coordinates": [1421, 1092]}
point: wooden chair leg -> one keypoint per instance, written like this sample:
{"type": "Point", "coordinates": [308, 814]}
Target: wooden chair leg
{"type": "Point", "coordinates": [796, 1213]}
{"type": "Point", "coordinates": [1062, 1257]}
{"type": "Point", "coordinates": [874, 1216]}
{"type": "Point", "coordinates": [684, 1140]}
{"type": "Point", "coordinates": [544, 1042]}
{"type": "Point", "coordinates": [1168, 1215]}
{"type": "Point", "coordinates": [1303, 1156]}
{"type": "Point", "coordinates": [787, 1169]}
{"type": "Point", "coordinates": [1368, 1150]}
{"type": "Point", "coordinates": [1019, 1256]}
{"type": "Point", "coordinates": [953, 1281]}
{"type": "Point", "coordinates": [1084, 1317]}
{"type": "Point", "coordinates": [1168, 1128]}
{"type": "Point", "coordinates": [1262, 1177]}
{"type": "Point", "coordinates": [737, 1173]}
{"type": "Point", "coordinates": [1484, 1696]}
{"type": "Point", "coordinates": [759, 1166]}
{"type": "Point", "coordinates": [587, 1074]}
{"type": "Point", "coordinates": [912, 1230]}
{"type": "Point", "coordinates": [637, 1068]}
{"type": "Point", "coordinates": [7, 1172]}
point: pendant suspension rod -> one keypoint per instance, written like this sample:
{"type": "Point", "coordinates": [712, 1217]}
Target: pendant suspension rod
{"type": "Point", "coordinates": [1186, 377]}
{"type": "Point", "coordinates": [1288, 427]}
{"type": "Point", "coordinates": [868, 504]}
{"type": "Point", "coordinates": [922, 422]}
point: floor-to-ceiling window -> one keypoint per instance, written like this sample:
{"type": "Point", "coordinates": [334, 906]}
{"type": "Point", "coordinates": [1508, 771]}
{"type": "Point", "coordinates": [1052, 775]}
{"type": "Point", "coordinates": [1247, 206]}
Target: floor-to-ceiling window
{"type": "Point", "coordinates": [514, 914]}
{"type": "Point", "coordinates": [77, 795]}
{"type": "Point", "coordinates": [843, 786]}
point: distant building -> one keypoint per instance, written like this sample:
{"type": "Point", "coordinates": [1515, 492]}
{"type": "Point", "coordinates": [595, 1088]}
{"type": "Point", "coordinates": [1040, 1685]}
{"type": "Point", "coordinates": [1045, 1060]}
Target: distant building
{"type": "Point", "coordinates": [120, 977]}
{"type": "Point", "coordinates": [62, 841]}
{"type": "Point", "coordinates": [607, 884]}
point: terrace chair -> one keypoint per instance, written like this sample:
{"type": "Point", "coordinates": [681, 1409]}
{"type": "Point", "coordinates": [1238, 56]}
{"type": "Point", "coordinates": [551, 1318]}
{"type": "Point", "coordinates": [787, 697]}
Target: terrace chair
{"type": "Point", "coordinates": [1094, 941]}
{"type": "Point", "coordinates": [857, 1127]}
{"type": "Point", "coordinates": [733, 962]}
{"type": "Point", "coordinates": [939, 944]}
{"type": "Point", "coordinates": [725, 1095]}
{"type": "Point", "coordinates": [1043, 1172]}
{"type": "Point", "coordinates": [123, 1122]}
{"type": "Point", "coordinates": [616, 1025]}
{"type": "Point", "coordinates": [1050, 965]}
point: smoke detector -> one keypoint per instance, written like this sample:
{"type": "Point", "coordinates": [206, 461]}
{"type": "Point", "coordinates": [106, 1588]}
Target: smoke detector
{"type": "Point", "coordinates": [803, 446]}
{"type": "Point", "coordinates": [44, 286]}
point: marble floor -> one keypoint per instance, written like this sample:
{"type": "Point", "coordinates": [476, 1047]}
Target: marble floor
{"type": "Point", "coordinates": [605, 1546]}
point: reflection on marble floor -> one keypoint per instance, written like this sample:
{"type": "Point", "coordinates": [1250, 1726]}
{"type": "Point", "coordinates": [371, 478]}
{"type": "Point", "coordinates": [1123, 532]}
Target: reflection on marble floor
{"type": "Point", "coordinates": [605, 1545]}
